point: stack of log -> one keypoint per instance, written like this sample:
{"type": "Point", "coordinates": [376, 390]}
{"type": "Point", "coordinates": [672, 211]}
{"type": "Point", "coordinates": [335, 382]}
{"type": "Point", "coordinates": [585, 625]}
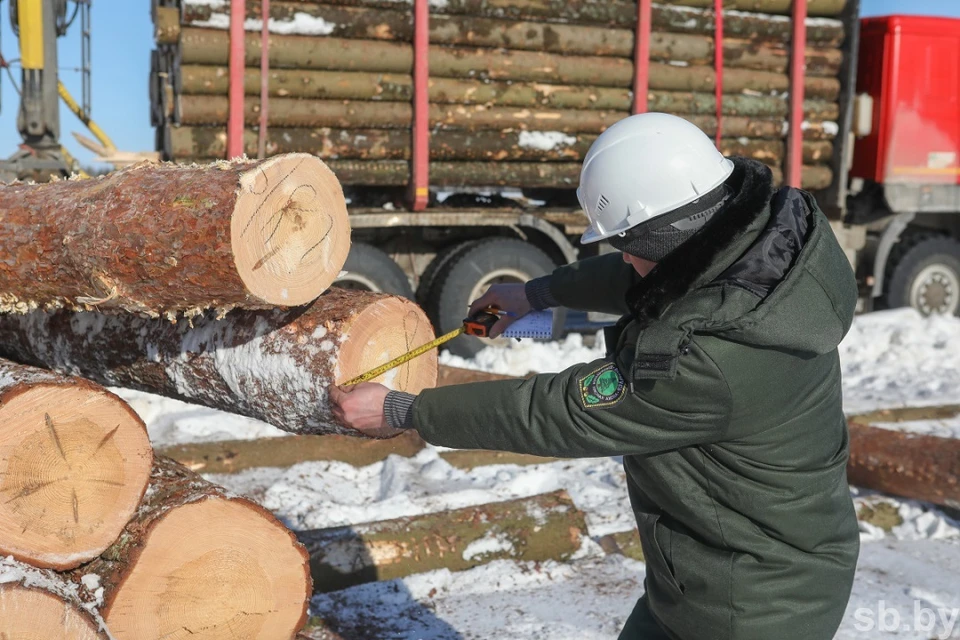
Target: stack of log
{"type": "Point", "coordinates": [518, 90]}
{"type": "Point", "coordinates": [201, 283]}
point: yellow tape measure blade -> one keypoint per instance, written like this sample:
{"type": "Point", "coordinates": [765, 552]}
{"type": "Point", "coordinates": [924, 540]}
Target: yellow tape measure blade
{"type": "Point", "coordinates": [407, 357]}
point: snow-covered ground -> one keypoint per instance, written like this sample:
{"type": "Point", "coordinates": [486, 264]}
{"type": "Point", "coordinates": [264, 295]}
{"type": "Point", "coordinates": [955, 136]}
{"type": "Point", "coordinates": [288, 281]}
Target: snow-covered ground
{"type": "Point", "coordinates": [908, 570]}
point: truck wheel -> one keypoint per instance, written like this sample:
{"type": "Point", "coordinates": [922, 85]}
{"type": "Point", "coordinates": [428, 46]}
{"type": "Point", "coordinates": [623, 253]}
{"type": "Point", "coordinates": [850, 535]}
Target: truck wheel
{"type": "Point", "coordinates": [370, 269]}
{"type": "Point", "coordinates": [471, 272]}
{"type": "Point", "coordinates": [924, 273]}
{"type": "Point", "coordinates": [436, 267]}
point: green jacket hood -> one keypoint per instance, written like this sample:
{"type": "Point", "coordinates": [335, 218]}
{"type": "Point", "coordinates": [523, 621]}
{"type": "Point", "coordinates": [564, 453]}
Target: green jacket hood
{"type": "Point", "coordinates": [762, 266]}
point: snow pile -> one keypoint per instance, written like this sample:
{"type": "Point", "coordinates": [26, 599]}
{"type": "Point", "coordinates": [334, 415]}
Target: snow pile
{"type": "Point", "coordinates": [314, 495]}
{"type": "Point", "coordinates": [520, 358]}
{"type": "Point", "coordinates": [899, 358]}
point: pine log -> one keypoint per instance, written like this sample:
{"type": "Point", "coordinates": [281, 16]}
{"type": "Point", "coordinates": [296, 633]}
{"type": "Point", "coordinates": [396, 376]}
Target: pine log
{"type": "Point", "coordinates": [211, 46]}
{"type": "Point", "coordinates": [166, 23]}
{"type": "Point", "coordinates": [37, 604]}
{"type": "Point", "coordinates": [384, 173]}
{"type": "Point", "coordinates": [568, 39]}
{"type": "Point", "coordinates": [335, 85]}
{"type": "Point", "coordinates": [74, 463]}
{"type": "Point", "coordinates": [158, 239]}
{"type": "Point", "coordinates": [234, 456]}
{"type": "Point", "coordinates": [290, 112]}
{"type": "Point", "coordinates": [543, 527]}
{"type": "Point", "coordinates": [395, 144]}
{"type": "Point", "coordinates": [197, 560]}
{"type": "Point", "coordinates": [619, 12]}
{"type": "Point", "coordinates": [273, 365]}
{"type": "Point", "coordinates": [286, 83]}
{"type": "Point", "coordinates": [918, 467]}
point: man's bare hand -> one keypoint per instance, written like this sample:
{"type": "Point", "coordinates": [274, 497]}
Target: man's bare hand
{"type": "Point", "coordinates": [507, 297]}
{"type": "Point", "coordinates": [361, 407]}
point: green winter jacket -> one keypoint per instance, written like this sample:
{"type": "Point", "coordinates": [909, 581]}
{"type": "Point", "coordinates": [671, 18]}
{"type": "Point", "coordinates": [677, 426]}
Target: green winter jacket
{"type": "Point", "coordinates": [722, 392]}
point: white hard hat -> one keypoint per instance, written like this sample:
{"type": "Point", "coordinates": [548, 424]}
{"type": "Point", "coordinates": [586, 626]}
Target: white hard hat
{"type": "Point", "coordinates": [645, 166]}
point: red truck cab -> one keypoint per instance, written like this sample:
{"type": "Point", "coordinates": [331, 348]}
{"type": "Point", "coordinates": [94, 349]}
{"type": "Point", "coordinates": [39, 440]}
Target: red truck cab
{"type": "Point", "coordinates": [906, 162]}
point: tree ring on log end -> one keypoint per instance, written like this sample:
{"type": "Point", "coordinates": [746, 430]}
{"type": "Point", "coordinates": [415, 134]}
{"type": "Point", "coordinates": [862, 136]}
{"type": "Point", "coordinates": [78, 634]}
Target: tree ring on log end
{"type": "Point", "coordinates": [32, 614]}
{"type": "Point", "coordinates": [289, 231]}
{"type": "Point", "coordinates": [74, 464]}
{"type": "Point", "coordinates": [385, 330]}
{"type": "Point", "coordinates": [213, 569]}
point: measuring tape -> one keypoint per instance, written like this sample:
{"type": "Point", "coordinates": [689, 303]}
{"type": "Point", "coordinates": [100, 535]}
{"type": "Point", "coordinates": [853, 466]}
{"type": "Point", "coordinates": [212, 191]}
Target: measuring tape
{"type": "Point", "coordinates": [477, 325]}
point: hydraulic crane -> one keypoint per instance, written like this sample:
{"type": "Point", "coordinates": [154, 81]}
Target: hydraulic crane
{"type": "Point", "coordinates": [39, 23]}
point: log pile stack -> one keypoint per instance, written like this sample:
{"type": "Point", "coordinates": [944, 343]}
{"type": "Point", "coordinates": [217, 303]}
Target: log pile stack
{"type": "Point", "coordinates": [205, 283]}
{"type": "Point", "coordinates": [518, 90]}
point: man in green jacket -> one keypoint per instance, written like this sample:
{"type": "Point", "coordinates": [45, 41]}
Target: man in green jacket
{"type": "Point", "coordinates": [721, 387]}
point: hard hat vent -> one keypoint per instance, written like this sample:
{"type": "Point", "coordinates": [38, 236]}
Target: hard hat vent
{"type": "Point", "coordinates": [602, 203]}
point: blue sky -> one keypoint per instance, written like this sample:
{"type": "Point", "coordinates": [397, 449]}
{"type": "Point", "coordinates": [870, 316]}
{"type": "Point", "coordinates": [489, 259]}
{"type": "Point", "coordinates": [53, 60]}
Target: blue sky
{"type": "Point", "coordinates": [122, 40]}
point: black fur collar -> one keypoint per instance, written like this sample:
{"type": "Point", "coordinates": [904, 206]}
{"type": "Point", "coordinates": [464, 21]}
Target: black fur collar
{"type": "Point", "coordinates": [679, 272]}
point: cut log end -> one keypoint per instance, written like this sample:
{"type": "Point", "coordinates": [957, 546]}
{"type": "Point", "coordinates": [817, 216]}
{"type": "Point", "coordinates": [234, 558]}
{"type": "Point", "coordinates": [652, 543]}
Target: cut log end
{"type": "Point", "coordinates": [33, 614]}
{"type": "Point", "coordinates": [74, 463]}
{"type": "Point", "coordinates": [250, 573]}
{"type": "Point", "coordinates": [289, 230]}
{"type": "Point", "coordinates": [384, 330]}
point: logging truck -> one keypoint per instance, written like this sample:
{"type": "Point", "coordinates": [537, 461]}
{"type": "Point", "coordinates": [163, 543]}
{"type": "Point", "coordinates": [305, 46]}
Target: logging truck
{"type": "Point", "coordinates": [457, 128]}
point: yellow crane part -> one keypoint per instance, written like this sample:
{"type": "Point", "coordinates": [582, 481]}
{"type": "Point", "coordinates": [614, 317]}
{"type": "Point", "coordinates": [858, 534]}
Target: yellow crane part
{"type": "Point", "coordinates": [77, 111]}
{"type": "Point", "coordinates": [30, 14]}
{"type": "Point", "coordinates": [407, 357]}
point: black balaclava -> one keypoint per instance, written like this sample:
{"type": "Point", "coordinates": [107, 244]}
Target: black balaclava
{"type": "Point", "coordinates": [658, 238]}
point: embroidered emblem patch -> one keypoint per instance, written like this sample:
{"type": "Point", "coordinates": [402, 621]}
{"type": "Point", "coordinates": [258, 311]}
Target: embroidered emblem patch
{"type": "Point", "coordinates": [605, 387]}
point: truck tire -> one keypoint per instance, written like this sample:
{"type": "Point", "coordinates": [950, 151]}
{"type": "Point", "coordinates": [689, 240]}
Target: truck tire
{"type": "Point", "coordinates": [370, 269]}
{"type": "Point", "coordinates": [923, 272]}
{"type": "Point", "coordinates": [438, 265]}
{"type": "Point", "coordinates": [470, 272]}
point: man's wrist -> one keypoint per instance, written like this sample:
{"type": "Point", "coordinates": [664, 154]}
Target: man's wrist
{"type": "Point", "coordinates": [539, 295]}
{"type": "Point", "coordinates": [398, 410]}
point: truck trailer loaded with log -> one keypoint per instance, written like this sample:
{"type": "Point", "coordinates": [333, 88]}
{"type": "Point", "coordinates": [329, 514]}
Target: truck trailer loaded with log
{"type": "Point", "coordinates": [457, 129]}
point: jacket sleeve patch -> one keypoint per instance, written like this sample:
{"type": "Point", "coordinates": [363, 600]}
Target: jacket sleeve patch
{"type": "Point", "coordinates": [603, 388]}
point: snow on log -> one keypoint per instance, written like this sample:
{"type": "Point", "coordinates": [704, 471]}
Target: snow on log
{"type": "Point", "coordinates": [158, 239]}
{"type": "Point", "coordinates": [74, 463]}
{"type": "Point", "coordinates": [913, 466]}
{"type": "Point", "coordinates": [40, 604]}
{"type": "Point", "coordinates": [273, 365]}
{"type": "Point", "coordinates": [197, 560]}
{"type": "Point", "coordinates": [543, 527]}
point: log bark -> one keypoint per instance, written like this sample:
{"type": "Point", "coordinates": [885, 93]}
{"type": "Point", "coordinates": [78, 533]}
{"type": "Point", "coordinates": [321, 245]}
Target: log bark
{"type": "Point", "coordinates": [490, 174]}
{"type": "Point", "coordinates": [913, 466]}
{"type": "Point", "coordinates": [200, 80]}
{"type": "Point", "coordinates": [290, 112]}
{"type": "Point", "coordinates": [617, 12]}
{"type": "Point", "coordinates": [273, 365]}
{"type": "Point", "coordinates": [74, 463]}
{"type": "Point", "coordinates": [333, 85]}
{"type": "Point", "coordinates": [624, 543]}
{"type": "Point", "coordinates": [160, 239]}
{"type": "Point", "coordinates": [166, 24]}
{"type": "Point", "coordinates": [234, 456]}
{"type": "Point", "coordinates": [395, 144]}
{"type": "Point", "coordinates": [544, 527]}
{"type": "Point", "coordinates": [211, 46]}
{"type": "Point", "coordinates": [36, 603]}
{"type": "Point", "coordinates": [388, 144]}
{"type": "Point", "coordinates": [197, 559]}
{"type": "Point", "coordinates": [364, 23]}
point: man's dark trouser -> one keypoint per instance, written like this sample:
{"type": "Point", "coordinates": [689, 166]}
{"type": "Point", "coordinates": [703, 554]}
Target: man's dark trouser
{"type": "Point", "coordinates": [641, 625]}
